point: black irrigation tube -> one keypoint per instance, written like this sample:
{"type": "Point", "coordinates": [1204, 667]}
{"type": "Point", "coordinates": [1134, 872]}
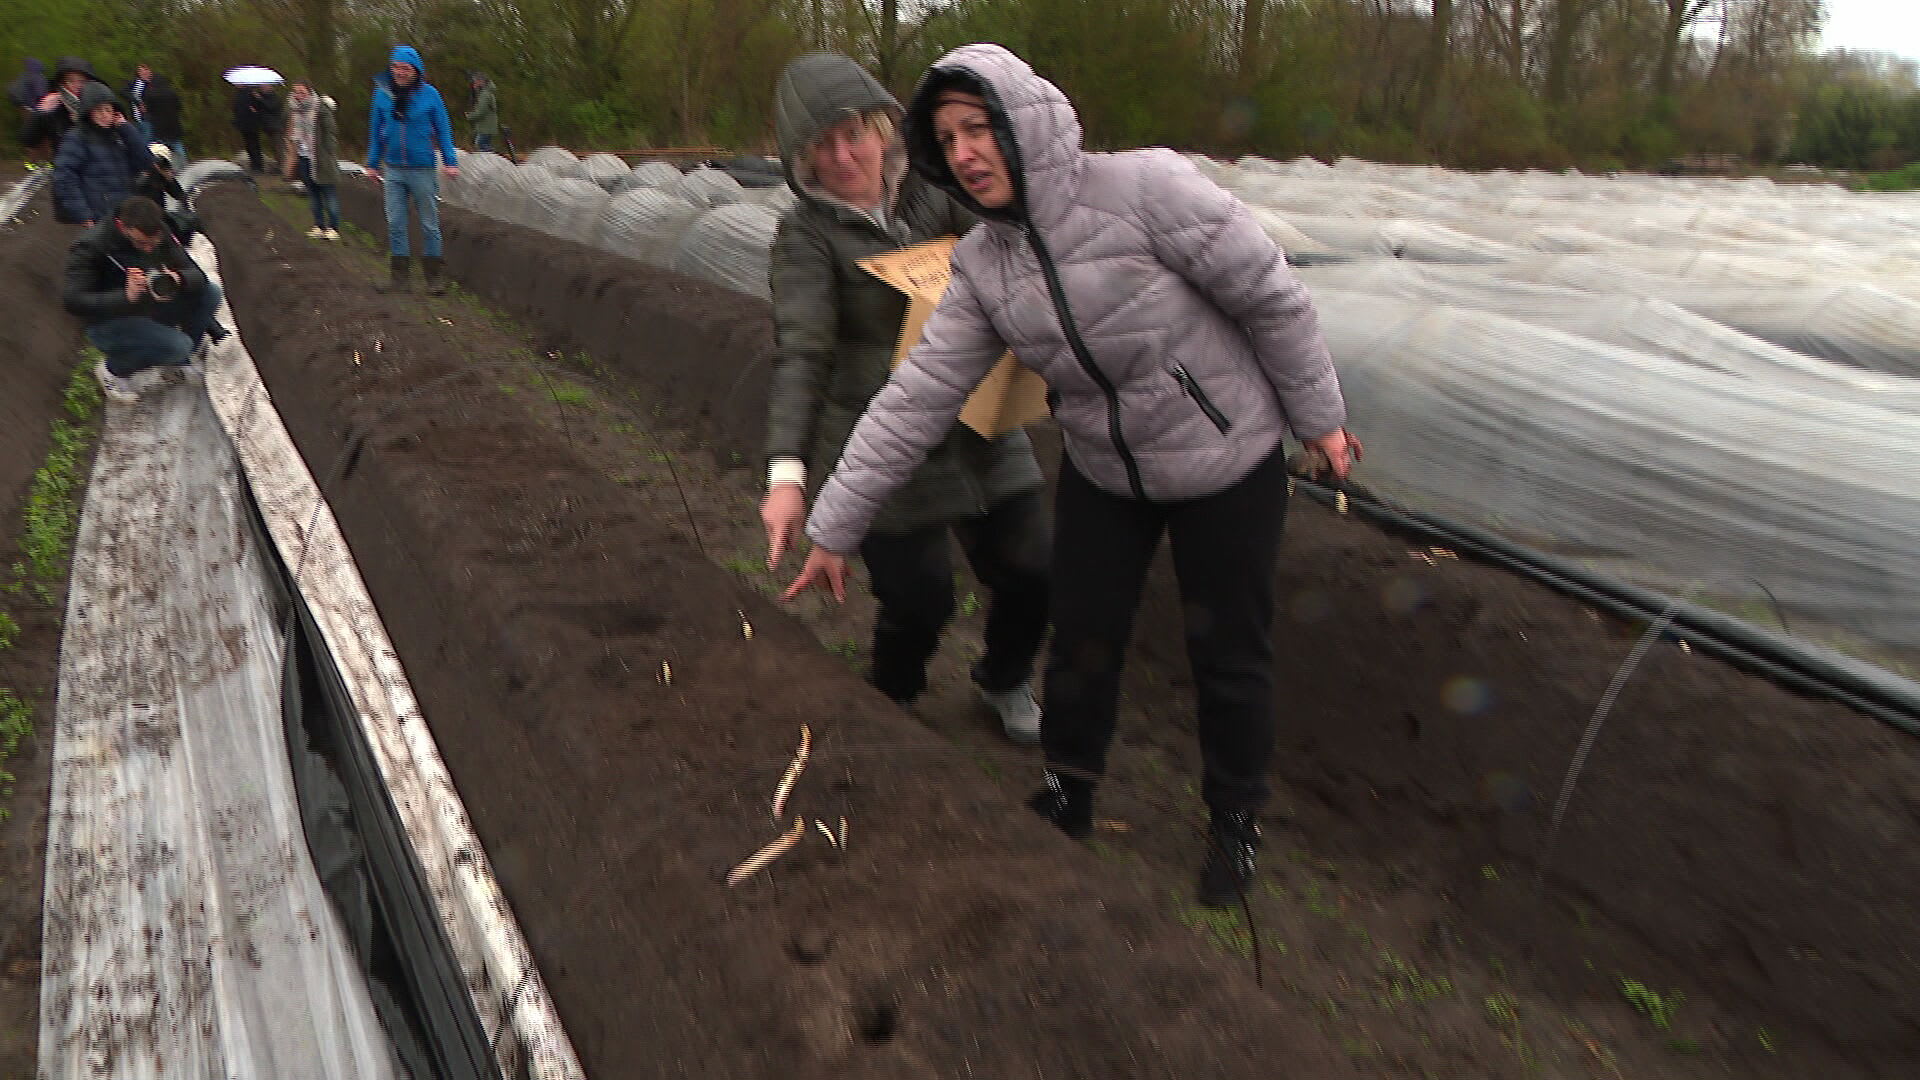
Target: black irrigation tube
{"type": "Point", "coordinates": [1808, 669]}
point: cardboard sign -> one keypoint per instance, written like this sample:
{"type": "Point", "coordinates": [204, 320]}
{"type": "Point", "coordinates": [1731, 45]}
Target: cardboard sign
{"type": "Point", "coordinates": [1011, 396]}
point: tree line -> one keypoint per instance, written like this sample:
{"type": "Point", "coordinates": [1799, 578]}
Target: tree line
{"type": "Point", "coordinates": [1469, 83]}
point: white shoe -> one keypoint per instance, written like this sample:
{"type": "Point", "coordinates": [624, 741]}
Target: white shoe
{"type": "Point", "coordinates": [1019, 713]}
{"type": "Point", "coordinates": [316, 233]}
{"type": "Point", "coordinates": [116, 387]}
{"type": "Point", "coordinates": [330, 234]}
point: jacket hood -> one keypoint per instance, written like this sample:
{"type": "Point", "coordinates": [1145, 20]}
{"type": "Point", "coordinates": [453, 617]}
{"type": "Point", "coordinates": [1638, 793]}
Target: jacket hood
{"type": "Point", "coordinates": [407, 54]}
{"type": "Point", "coordinates": [816, 92]}
{"type": "Point", "coordinates": [72, 63]}
{"type": "Point", "coordinates": [95, 95]}
{"type": "Point", "coordinates": [1035, 124]}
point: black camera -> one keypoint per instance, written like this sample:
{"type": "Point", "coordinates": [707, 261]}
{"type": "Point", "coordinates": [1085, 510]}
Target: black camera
{"type": "Point", "coordinates": [163, 285]}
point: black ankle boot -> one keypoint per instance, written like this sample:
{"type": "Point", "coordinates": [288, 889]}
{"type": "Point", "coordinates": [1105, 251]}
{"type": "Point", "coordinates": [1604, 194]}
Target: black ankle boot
{"type": "Point", "coordinates": [398, 267]}
{"type": "Point", "coordinates": [430, 267]}
{"type": "Point", "coordinates": [1232, 840]}
{"type": "Point", "coordinates": [1067, 802]}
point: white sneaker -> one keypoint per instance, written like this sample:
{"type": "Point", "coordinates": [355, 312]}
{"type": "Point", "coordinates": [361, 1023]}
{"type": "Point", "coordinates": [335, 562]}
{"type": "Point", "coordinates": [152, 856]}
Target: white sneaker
{"type": "Point", "coordinates": [330, 234]}
{"type": "Point", "coordinates": [316, 233]}
{"type": "Point", "coordinates": [1019, 713]}
{"type": "Point", "coordinates": [116, 387]}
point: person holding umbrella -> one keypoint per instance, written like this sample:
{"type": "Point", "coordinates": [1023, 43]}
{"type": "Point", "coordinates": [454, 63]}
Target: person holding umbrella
{"type": "Point", "coordinates": [408, 128]}
{"type": "Point", "coordinates": [249, 113]}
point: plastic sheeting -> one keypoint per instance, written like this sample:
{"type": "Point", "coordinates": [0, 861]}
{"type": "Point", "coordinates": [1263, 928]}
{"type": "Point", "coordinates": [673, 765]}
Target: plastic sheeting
{"type": "Point", "coordinates": [1663, 471]}
{"type": "Point", "coordinates": [186, 931]}
{"type": "Point", "coordinates": [711, 187]}
{"type": "Point", "coordinates": [728, 247]}
{"type": "Point", "coordinates": [500, 979]}
{"type": "Point", "coordinates": [703, 224]}
{"type": "Point", "coordinates": [567, 208]}
{"type": "Point", "coordinates": [605, 170]}
{"type": "Point", "coordinates": [645, 224]}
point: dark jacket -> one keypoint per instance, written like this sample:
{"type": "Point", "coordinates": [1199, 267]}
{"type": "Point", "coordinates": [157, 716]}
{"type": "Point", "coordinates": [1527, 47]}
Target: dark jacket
{"type": "Point", "coordinates": [1177, 344]}
{"type": "Point", "coordinates": [162, 106]}
{"type": "Point", "coordinates": [250, 110]}
{"type": "Point", "coordinates": [96, 167]}
{"type": "Point", "coordinates": [53, 126]}
{"type": "Point", "coordinates": [838, 325]}
{"type": "Point", "coordinates": [27, 90]}
{"type": "Point", "coordinates": [326, 142]}
{"type": "Point", "coordinates": [96, 290]}
{"type": "Point", "coordinates": [405, 129]}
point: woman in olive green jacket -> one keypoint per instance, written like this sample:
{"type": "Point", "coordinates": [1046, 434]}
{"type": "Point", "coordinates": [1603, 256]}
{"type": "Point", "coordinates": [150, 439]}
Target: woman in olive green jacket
{"type": "Point", "coordinates": [837, 326]}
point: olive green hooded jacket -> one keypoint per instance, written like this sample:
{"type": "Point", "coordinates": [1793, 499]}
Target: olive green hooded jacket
{"type": "Point", "coordinates": [837, 325]}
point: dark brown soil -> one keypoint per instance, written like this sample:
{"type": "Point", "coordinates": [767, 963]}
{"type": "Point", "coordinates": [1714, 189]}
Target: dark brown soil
{"type": "Point", "coordinates": [1751, 848]}
{"type": "Point", "coordinates": [535, 605]}
{"type": "Point", "coordinates": [39, 346]}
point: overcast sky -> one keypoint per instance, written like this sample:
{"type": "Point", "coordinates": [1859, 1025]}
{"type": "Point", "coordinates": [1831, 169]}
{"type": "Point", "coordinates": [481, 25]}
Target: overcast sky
{"type": "Point", "coordinates": [1887, 25]}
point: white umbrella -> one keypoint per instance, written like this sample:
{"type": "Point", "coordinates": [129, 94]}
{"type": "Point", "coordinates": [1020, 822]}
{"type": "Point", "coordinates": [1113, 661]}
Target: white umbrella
{"type": "Point", "coordinates": [253, 76]}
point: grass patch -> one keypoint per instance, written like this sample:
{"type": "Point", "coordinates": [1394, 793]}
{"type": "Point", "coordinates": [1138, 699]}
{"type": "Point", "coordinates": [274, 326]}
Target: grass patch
{"type": "Point", "coordinates": [1658, 1008]}
{"type": "Point", "coordinates": [51, 520]}
{"type": "Point", "coordinates": [1906, 178]}
{"type": "Point", "coordinates": [1223, 928]}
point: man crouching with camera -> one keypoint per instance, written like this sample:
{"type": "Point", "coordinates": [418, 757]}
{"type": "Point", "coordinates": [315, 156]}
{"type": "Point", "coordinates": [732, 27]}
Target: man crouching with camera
{"type": "Point", "coordinates": [146, 302]}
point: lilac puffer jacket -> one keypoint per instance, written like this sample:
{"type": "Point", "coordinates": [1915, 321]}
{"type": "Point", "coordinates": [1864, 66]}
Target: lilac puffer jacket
{"type": "Point", "coordinates": [1178, 345]}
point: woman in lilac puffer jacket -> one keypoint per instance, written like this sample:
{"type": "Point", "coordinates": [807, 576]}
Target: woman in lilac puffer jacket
{"type": "Point", "coordinates": [1179, 349]}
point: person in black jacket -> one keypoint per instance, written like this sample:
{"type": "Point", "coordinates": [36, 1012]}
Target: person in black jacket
{"type": "Point", "coordinates": [146, 302]}
{"type": "Point", "coordinates": [99, 160]}
{"type": "Point", "coordinates": [59, 110]}
{"type": "Point", "coordinates": [251, 107]}
{"type": "Point", "coordinates": [158, 110]}
{"type": "Point", "coordinates": [162, 182]}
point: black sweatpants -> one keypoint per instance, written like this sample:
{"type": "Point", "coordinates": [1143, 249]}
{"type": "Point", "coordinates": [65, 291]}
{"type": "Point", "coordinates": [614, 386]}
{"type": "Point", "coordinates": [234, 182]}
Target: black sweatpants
{"type": "Point", "coordinates": [912, 575]}
{"type": "Point", "coordinates": [1224, 546]}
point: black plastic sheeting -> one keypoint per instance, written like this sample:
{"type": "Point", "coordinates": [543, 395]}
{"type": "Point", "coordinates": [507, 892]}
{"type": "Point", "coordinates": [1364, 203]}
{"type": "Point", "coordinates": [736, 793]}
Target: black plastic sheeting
{"type": "Point", "coordinates": [1808, 669]}
{"type": "Point", "coordinates": [366, 865]}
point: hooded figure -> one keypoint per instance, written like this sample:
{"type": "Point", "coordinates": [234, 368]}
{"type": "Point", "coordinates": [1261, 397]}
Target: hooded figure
{"type": "Point", "coordinates": [407, 129]}
{"type": "Point", "coordinates": [53, 119]}
{"type": "Point", "coordinates": [837, 328]}
{"type": "Point", "coordinates": [1179, 349]}
{"type": "Point", "coordinates": [97, 164]}
{"type": "Point", "coordinates": [485, 114]}
{"type": "Point", "coordinates": [27, 90]}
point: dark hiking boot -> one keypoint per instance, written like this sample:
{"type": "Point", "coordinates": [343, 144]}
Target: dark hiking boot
{"type": "Point", "coordinates": [430, 267]}
{"type": "Point", "coordinates": [1067, 802]}
{"type": "Point", "coordinates": [398, 266]}
{"type": "Point", "coordinates": [1232, 841]}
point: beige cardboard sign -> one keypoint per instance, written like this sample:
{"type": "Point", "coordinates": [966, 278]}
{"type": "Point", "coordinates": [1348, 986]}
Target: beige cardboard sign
{"type": "Point", "coordinates": [1011, 396]}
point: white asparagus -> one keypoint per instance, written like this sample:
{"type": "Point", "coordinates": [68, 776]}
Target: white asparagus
{"type": "Point", "coordinates": [793, 772]}
{"type": "Point", "coordinates": [765, 856]}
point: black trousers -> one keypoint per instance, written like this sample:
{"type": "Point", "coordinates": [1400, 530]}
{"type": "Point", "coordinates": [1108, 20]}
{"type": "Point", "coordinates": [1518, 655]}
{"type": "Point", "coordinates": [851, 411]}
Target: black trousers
{"type": "Point", "coordinates": [1224, 547]}
{"type": "Point", "coordinates": [912, 575]}
{"type": "Point", "coordinates": [254, 162]}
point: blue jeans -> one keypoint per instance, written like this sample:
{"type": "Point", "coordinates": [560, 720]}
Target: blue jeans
{"type": "Point", "coordinates": [483, 143]}
{"type": "Point", "coordinates": [166, 337]}
{"type": "Point", "coordinates": [325, 198]}
{"type": "Point", "coordinates": [423, 187]}
{"type": "Point", "coordinates": [179, 154]}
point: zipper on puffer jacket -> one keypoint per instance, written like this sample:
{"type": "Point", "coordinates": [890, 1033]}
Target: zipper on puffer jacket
{"type": "Point", "coordinates": [1200, 398]}
{"type": "Point", "coordinates": [1080, 353]}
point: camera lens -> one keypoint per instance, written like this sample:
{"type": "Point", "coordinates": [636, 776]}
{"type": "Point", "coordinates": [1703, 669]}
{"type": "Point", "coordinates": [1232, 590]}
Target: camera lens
{"type": "Point", "coordinates": [163, 286]}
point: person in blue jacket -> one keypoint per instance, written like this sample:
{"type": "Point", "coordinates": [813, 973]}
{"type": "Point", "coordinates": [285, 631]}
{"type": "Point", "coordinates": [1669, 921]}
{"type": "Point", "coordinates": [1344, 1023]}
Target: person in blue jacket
{"type": "Point", "coordinates": [99, 160]}
{"type": "Point", "coordinates": [408, 127]}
